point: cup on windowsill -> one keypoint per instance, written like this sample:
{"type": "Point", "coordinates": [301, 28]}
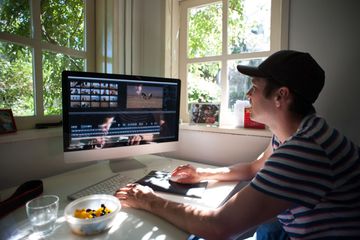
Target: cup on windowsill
{"type": "Point", "coordinates": [42, 213]}
{"type": "Point", "coordinates": [248, 123]}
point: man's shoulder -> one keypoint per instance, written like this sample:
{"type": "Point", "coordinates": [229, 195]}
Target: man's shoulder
{"type": "Point", "coordinates": [312, 127]}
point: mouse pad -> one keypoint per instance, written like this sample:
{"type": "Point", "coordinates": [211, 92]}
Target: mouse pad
{"type": "Point", "coordinates": [160, 181]}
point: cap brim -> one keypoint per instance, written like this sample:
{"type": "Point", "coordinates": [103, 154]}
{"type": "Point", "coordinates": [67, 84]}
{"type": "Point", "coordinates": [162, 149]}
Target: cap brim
{"type": "Point", "coordinates": [250, 71]}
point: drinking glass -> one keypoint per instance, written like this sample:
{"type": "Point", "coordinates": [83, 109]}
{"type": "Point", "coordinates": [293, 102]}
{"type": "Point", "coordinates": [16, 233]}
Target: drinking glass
{"type": "Point", "coordinates": [42, 213]}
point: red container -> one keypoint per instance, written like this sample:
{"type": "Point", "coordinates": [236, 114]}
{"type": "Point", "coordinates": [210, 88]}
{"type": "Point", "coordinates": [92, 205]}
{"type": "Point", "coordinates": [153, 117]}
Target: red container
{"type": "Point", "coordinates": [248, 123]}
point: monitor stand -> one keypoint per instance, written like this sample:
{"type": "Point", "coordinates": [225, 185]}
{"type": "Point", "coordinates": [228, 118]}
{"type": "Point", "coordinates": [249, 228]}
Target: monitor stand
{"type": "Point", "coordinates": [124, 164]}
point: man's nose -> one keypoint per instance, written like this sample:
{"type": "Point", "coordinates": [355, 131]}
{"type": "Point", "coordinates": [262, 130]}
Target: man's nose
{"type": "Point", "coordinates": [248, 94]}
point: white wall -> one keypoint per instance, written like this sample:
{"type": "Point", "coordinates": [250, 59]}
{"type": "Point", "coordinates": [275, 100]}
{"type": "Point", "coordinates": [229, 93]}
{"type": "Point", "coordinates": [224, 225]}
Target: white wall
{"type": "Point", "coordinates": [21, 161]}
{"type": "Point", "coordinates": [148, 38]}
{"type": "Point", "coordinates": [329, 30]}
{"type": "Point", "coordinates": [219, 148]}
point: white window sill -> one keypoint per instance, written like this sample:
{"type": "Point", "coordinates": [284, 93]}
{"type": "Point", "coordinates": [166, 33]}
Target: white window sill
{"type": "Point", "coordinates": [227, 130]}
{"type": "Point", "coordinates": [32, 134]}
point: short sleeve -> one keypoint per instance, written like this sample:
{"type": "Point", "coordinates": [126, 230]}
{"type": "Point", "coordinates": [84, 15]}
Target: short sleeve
{"type": "Point", "coordinates": [298, 171]}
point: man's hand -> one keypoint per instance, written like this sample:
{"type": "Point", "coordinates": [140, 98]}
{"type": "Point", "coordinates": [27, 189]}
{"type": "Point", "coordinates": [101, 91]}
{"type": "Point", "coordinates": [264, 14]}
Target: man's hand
{"type": "Point", "coordinates": [185, 174]}
{"type": "Point", "coordinates": [136, 196]}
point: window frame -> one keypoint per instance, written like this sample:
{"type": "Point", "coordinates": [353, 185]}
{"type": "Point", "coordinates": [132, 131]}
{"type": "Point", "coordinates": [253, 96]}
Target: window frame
{"type": "Point", "coordinates": [36, 44]}
{"type": "Point", "coordinates": [278, 40]}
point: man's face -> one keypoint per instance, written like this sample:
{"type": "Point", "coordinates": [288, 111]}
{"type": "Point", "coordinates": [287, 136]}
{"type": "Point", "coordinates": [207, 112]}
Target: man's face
{"type": "Point", "coordinates": [260, 105]}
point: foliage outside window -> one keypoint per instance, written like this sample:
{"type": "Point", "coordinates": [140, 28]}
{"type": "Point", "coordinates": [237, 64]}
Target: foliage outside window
{"type": "Point", "coordinates": [53, 65]}
{"type": "Point", "coordinates": [204, 86]}
{"type": "Point", "coordinates": [218, 36]}
{"type": "Point", "coordinates": [38, 40]}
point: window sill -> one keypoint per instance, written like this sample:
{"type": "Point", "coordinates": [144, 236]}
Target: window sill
{"type": "Point", "coordinates": [31, 134]}
{"type": "Point", "coordinates": [227, 130]}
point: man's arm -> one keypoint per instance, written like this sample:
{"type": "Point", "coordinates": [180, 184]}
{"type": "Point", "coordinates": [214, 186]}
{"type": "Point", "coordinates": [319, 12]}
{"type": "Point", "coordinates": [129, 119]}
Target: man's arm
{"type": "Point", "coordinates": [246, 209]}
{"type": "Point", "coordinates": [238, 172]}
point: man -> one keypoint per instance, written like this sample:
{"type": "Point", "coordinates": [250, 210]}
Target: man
{"type": "Point", "coordinates": [308, 177]}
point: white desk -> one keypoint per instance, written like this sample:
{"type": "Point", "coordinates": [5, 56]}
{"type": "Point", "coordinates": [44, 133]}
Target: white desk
{"type": "Point", "coordinates": [131, 223]}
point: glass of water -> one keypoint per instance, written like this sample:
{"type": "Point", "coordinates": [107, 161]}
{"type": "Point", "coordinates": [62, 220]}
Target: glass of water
{"type": "Point", "coordinates": [42, 213]}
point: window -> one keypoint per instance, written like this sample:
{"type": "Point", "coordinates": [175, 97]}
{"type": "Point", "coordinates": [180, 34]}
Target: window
{"type": "Point", "coordinates": [216, 36]}
{"type": "Point", "coordinates": [38, 40]}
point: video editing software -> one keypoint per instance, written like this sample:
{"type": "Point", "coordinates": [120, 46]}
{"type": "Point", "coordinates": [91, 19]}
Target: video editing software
{"type": "Point", "coordinates": [108, 110]}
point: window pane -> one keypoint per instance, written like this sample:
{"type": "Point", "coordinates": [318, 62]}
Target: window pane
{"type": "Point", "coordinates": [204, 82]}
{"type": "Point", "coordinates": [15, 17]}
{"type": "Point", "coordinates": [53, 65]}
{"type": "Point", "coordinates": [16, 81]}
{"type": "Point", "coordinates": [239, 84]}
{"type": "Point", "coordinates": [249, 26]}
{"type": "Point", "coordinates": [63, 23]}
{"type": "Point", "coordinates": [205, 30]}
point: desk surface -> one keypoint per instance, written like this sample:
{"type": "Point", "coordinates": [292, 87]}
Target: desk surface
{"type": "Point", "coordinates": [130, 223]}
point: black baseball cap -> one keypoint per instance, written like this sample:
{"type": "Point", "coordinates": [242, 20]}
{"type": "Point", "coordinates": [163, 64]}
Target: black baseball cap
{"type": "Point", "coordinates": [296, 70]}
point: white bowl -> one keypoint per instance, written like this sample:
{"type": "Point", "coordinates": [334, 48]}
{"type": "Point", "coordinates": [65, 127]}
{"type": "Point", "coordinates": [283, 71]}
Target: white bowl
{"type": "Point", "coordinates": [93, 225]}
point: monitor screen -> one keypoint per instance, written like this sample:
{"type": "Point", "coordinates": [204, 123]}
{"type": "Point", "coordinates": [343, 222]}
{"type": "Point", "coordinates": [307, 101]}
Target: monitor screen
{"type": "Point", "coordinates": [113, 116]}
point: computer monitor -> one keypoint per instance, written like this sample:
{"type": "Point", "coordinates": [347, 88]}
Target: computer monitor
{"type": "Point", "coordinates": [114, 116]}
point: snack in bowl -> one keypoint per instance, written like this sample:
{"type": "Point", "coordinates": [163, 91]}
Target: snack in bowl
{"type": "Point", "coordinates": [80, 221]}
{"type": "Point", "coordinates": [90, 213]}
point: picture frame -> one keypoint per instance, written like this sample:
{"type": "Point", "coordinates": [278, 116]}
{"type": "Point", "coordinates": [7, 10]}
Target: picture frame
{"type": "Point", "coordinates": [7, 121]}
{"type": "Point", "coordinates": [205, 114]}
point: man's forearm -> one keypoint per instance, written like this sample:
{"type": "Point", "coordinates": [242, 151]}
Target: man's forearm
{"type": "Point", "coordinates": [193, 220]}
{"type": "Point", "coordinates": [238, 172]}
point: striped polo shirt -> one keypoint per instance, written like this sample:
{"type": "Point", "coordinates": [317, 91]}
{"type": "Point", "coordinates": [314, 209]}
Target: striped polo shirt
{"type": "Point", "coordinates": [318, 169]}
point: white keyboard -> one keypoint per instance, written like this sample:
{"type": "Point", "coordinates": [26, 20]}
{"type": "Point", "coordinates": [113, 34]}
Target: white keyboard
{"type": "Point", "coordinates": [107, 186]}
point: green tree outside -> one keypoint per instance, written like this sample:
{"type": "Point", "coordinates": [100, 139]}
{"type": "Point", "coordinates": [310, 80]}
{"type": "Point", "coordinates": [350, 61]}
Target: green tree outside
{"type": "Point", "coordinates": [62, 24]}
{"type": "Point", "coordinates": [248, 24]}
{"type": "Point", "coordinates": [205, 39]}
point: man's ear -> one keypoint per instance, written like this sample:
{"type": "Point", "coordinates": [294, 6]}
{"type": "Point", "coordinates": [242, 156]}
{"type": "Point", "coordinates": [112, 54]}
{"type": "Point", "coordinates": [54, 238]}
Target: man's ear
{"type": "Point", "coordinates": [281, 94]}
{"type": "Point", "coordinates": [284, 91]}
